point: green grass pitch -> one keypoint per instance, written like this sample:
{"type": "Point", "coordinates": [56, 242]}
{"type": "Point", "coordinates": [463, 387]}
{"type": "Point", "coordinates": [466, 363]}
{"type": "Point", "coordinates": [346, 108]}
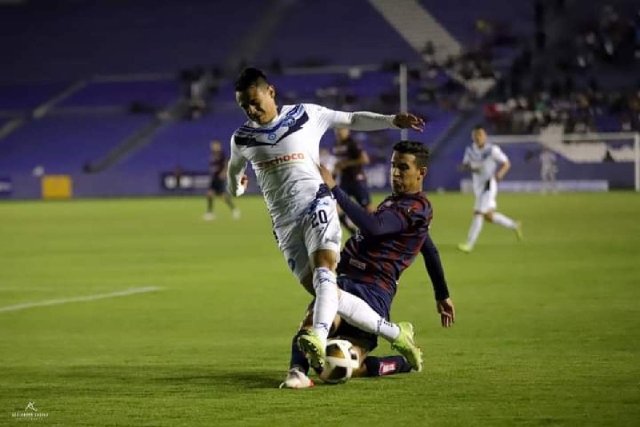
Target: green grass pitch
{"type": "Point", "coordinates": [548, 330]}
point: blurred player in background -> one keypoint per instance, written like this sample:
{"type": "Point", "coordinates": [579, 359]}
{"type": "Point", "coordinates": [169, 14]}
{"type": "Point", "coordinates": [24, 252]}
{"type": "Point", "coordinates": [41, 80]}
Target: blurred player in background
{"type": "Point", "coordinates": [282, 145]}
{"type": "Point", "coordinates": [328, 160]}
{"type": "Point", "coordinates": [373, 260]}
{"type": "Point", "coordinates": [548, 170]}
{"type": "Point", "coordinates": [350, 168]}
{"type": "Point", "coordinates": [482, 160]}
{"type": "Point", "coordinates": [218, 170]}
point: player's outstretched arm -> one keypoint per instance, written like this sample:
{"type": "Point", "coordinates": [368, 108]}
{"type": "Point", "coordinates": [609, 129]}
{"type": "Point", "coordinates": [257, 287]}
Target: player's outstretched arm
{"type": "Point", "coordinates": [368, 121]}
{"type": "Point", "coordinates": [432, 262]}
{"type": "Point", "coordinates": [370, 224]}
{"type": "Point", "coordinates": [236, 179]}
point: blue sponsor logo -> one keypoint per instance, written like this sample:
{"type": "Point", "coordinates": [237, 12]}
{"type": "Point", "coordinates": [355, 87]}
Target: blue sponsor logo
{"type": "Point", "coordinates": [272, 136]}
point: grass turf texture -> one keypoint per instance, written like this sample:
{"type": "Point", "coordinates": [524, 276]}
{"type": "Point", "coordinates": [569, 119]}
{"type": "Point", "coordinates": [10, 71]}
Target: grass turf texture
{"type": "Point", "coordinates": [546, 334]}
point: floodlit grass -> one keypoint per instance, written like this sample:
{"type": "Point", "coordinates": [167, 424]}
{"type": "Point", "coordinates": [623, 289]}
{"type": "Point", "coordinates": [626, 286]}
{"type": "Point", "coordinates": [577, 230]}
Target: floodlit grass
{"type": "Point", "coordinates": [547, 330]}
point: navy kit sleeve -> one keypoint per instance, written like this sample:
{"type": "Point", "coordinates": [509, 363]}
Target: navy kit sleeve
{"type": "Point", "coordinates": [387, 222]}
{"type": "Point", "coordinates": [434, 268]}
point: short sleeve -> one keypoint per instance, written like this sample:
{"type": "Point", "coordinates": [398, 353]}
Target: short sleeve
{"type": "Point", "coordinates": [466, 158]}
{"type": "Point", "coordinates": [328, 118]}
{"type": "Point", "coordinates": [498, 155]}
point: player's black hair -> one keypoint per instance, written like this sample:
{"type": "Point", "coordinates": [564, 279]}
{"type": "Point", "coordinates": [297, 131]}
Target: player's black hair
{"type": "Point", "coordinates": [479, 126]}
{"type": "Point", "coordinates": [250, 77]}
{"type": "Point", "coordinates": [416, 148]}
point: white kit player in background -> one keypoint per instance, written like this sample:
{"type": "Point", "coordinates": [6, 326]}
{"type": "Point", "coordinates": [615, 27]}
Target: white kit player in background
{"type": "Point", "coordinates": [482, 160]}
{"type": "Point", "coordinates": [548, 170]}
{"type": "Point", "coordinates": [282, 145]}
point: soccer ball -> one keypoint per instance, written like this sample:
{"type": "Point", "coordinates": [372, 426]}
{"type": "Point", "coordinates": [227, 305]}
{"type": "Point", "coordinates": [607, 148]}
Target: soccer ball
{"type": "Point", "coordinates": [341, 360]}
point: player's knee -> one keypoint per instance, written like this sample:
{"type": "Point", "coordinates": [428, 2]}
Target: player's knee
{"type": "Point", "coordinates": [324, 258]}
{"type": "Point", "coordinates": [488, 216]}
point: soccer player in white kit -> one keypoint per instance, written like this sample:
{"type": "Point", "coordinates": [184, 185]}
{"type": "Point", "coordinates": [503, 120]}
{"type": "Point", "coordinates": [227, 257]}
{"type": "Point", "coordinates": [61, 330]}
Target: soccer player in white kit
{"type": "Point", "coordinates": [482, 160]}
{"type": "Point", "coordinates": [282, 145]}
{"type": "Point", "coordinates": [548, 170]}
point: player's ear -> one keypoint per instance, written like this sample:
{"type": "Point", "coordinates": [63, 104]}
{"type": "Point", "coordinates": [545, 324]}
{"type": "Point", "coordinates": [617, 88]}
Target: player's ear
{"type": "Point", "coordinates": [423, 172]}
{"type": "Point", "coordinates": [271, 90]}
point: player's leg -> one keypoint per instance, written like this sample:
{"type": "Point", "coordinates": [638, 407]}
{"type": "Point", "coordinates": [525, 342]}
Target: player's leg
{"type": "Point", "coordinates": [218, 187]}
{"type": "Point", "coordinates": [552, 179]}
{"type": "Point", "coordinates": [322, 237]}
{"type": "Point", "coordinates": [544, 181]}
{"type": "Point", "coordinates": [367, 309]}
{"type": "Point", "coordinates": [297, 376]}
{"type": "Point", "coordinates": [374, 366]}
{"type": "Point", "coordinates": [364, 343]}
{"type": "Point", "coordinates": [477, 221]}
{"type": "Point", "coordinates": [489, 208]}
{"type": "Point", "coordinates": [209, 215]}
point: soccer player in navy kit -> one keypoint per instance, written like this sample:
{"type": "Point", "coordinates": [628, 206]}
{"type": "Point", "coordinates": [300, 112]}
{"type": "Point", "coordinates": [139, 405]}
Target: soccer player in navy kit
{"type": "Point", "coordinates": [373, 260]}
{"type": "Point", "coordinates": [350, 168]}
{"type": "Point", "coordinates": [217, 186]}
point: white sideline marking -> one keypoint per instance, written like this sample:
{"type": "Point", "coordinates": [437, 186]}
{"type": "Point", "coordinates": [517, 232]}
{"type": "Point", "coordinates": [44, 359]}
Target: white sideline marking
{"type": "Point", "coordinates": [46, 303]}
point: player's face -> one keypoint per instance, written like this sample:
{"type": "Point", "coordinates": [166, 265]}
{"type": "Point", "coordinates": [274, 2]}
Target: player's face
{"type": "Point", "coordinates": [258, 103]}
{"type": "Point", "coordinates": [341, 135]}
{"type": "Point", "coordinates": [479, 137]}
{"type": "Point", "coordinates": [406, 176]}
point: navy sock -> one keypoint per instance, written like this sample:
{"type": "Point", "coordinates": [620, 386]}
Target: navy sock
{"type": "Point", "coordinates": [388, 365]}
{"type": "Point", "coordinates": [297, 356]}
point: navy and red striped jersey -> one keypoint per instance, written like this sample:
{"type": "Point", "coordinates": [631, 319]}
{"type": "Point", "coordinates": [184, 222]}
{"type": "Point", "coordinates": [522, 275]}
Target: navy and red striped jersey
{"type": "Point", "coordinates": [217, 162]}
{"type": "Point", "coordinates": [349, 150]}
{"type": "Point", "coordinates": [380, 260]}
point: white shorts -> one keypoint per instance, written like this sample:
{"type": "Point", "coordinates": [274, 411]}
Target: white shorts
{"type": "Point", "coordinates": [317, 228]}
{"type": "Point", "coordinates": [486, 200]}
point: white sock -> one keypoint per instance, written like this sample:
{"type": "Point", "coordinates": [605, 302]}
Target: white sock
{"type": "Point", "coordinates": [474, 230]}
{"type": "Point", "coordinates": [326, 304]}
{"type": "Point", "coordinates": [358, 313]}
{"type": "Point", "coordinates": [504, 221]}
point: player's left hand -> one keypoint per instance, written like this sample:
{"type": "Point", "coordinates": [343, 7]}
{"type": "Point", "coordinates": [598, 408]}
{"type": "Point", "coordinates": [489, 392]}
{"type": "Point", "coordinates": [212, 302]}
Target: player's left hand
{"type": "Point", "coordinates": [447, 312]}
{"type": "Point", "coordinates": [244, 181]}
{"type": "Point", "coordinates": [409, 121]}
{"type": "Point", "coordinates": [327, 177]}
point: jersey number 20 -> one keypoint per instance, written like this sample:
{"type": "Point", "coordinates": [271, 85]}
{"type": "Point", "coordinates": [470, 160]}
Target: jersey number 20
{"type": "Point", "coordinates": [318, 216]}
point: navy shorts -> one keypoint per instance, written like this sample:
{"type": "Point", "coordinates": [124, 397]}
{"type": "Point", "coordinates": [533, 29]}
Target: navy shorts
{"type": "Point", "coordinates": [376, 299]}
{"type": "Point", "coordinates": [217, 185]}
{"type": "Point", "coordinates": [359, 191]}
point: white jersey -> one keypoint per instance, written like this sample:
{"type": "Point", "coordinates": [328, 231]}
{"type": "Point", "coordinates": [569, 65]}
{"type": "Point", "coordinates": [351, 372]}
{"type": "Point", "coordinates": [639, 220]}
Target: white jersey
{"type": "Point", "coordinates": [285, 153]}
{"type": "Point", "coordinates": [486, 159]}
{"type": "Point", "coordinates": [329, 161]}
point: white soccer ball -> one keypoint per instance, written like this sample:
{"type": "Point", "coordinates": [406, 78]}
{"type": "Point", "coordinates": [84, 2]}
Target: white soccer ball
{"type": "Point", "coordinates": [341, 360]}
